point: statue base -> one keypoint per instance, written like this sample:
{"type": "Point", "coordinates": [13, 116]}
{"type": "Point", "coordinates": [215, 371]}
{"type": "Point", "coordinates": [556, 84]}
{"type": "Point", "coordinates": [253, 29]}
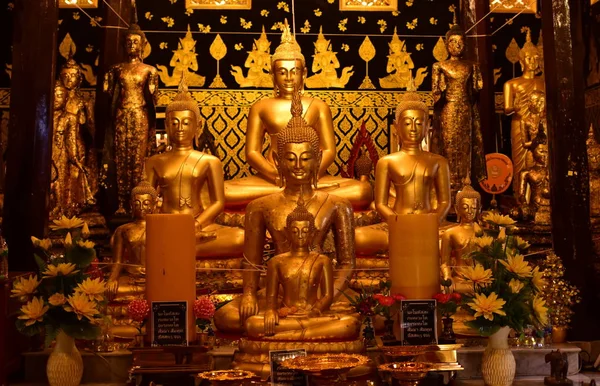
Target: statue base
{"type": "Point", "coordinates": [253, 355]}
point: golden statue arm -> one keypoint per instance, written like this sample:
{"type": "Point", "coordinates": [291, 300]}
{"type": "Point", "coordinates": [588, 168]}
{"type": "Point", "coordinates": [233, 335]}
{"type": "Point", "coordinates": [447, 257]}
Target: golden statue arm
{"type": "Point", "coordinates": [477, 78]}
{"type": "Point", "coordinates": [254, 237]}
{"type": "Point", "coordinates": [326, 137]}
{"type": "Point", "coordinates": [382, 189]}
{"type": "Point", "coordinates": [151, 173]}
{"type": "Point", "coordinates": [343, 227]}
{"type": "Point", "coordinates": [216, 190]}
{"type": "Point", "coordinates": [523, 187]}
{"type": "Point", "coordinates": [509, 98]}
{"type": "Point", "coordinates": [116, 243]}
{"type": "Point", "coordinates": [108, 86]}
{"type": "Point", "coordinates": [445, 253]}
{"type": "Point", "coordinates": [272, 285]}
{"type": "Point", "coordinates": [71, 144]}
{"type": "Point", "coordinates": [326, 299]}
{"type": "Point", "coordinates": [442, 188]}
{"type": "Point", "coordinates": [153, 84]}
{"type": "Point", "coordinates": [254, 140]}
{"type": "Point", "coordinates": [438, 84]}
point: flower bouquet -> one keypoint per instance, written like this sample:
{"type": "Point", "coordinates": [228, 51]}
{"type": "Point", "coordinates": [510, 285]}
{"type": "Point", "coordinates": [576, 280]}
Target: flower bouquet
{"type": "Point", "coordinates": [139, 310]}
{"type": "Point", "coordinates": [66, 298]}
{"type": "Point", "coordinates": [447, 305]}
{"type": "Point", "coordinates": [365, 305]}
{"type": "Point", "coordinates": [387, 306]}
{"type": "Point", "coordinates": [204, 311]}
{"type": "Point", "coordinates": [505, 287]}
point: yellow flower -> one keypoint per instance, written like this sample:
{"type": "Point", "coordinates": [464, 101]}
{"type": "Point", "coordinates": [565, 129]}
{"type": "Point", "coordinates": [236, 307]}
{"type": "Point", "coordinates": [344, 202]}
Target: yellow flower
{"type": "Point", "coordinates": [483, 241]}
{"type": "Point", "coordinates": [169, 20]}
{"type": "Point", "coordinates": [57, 299]}
{"type": "Point", "coordinates": [498, 219]}
{"type": "Point", "coordinates": [521, 244]}
{"type": "Point", "coordinates": [537, 278]}
{"type": "Point", "coordinates": [264, 13]}
{"type": "Point", "coordinates": [517, 265]}
{"type": "Point", "coordinates": [476, 275]}
{"type": "Point", "coordinates": [395, 13]}
{"type": "Point", "coordinates": [318, 12]}
{"type": "Point", "coordinates": [487, 306]}
{"type": "Point", "coordinates": [502, 234]}
{"type": "Point", "coordinates": [85, 231]}
{"type": "Point", "coordinates": [33, 311]}
{"type": "Point", "coordinates": [62, 268]}
{"type": "Point", "coordinates": [540, 310]}
{"type": "Point", "coordinates": [148, 15]}
{"type": "Point", "coordinates": [25, 286]}
{"type": "Point", "coordinates": [85, 244]}
{"type": "Point", "coordinates": [516, 286]}
{"type": "Point", "coordinates": [45, 244]}
{"type": "Point", "coordinates": [68, 240]}
{"type": "Point", "coordinates": [67, 223]}
{"type": "Point", "coordinates": [94, 289]}
{"type": "Point", "coordinates": [362, 20]}
{"type": "Point", "coordinates": [81, 306]}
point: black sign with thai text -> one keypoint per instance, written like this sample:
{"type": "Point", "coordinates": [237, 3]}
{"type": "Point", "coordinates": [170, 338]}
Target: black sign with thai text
{"type": "Point", "coordinates": [169, 324]}
{"type": "Point", "coordinates": [282, 376]}
{"type": "Point", "coordinates": [418, 322]}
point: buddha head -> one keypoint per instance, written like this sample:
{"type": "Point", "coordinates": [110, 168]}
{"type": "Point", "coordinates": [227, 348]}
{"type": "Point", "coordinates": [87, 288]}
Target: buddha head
{"type": "Point", "coordinates": [467, 204]}
{"type": "Point", "coordinates": [298, 153]}
{"type": "Point", "coordinates": [412, 119]}
{"type": "Point", "coordinates": [300, 227]}
{"type": "Point", "coordinates": [60, 97]}
{"type": "Point", "coordinates": [288, 66]}
{"type": "Point", "coordinates": [455, 41]}
{"type": "Point", "coordinates": [182, 118]}
{"type": "Point", "coordinates": [70, 74]}
{"type": "Point", "coordinates": [143, 200]}
{"type": "Point", "coordinates": [529, 56]}
{"type": "Point", "coordinates": [537, 102]}
{"type": "Point", "coordinates": [540, 149]}
{"type": "Point", "coordinates": [135, 39]}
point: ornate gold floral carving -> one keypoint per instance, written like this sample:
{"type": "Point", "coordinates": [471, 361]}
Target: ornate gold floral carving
{"type": "Point", "coordinates": [218, 4]}
{"type": "Point", "coordinates": [77, 3]}
{"type": "Point", "coordinates": [184, 60]}
{"type": "Point", "coordinates": [368, 5]}
{"type": "Point", "coordinates": [513, 6]}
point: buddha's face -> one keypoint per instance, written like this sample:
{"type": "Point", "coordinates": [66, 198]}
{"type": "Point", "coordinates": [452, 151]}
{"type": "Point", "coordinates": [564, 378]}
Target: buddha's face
{"type": "Point", "coordinates": [530, 61]}
{"type": "Point", "coordinates": [133, 44]}
{"type": "Point", "coordinates": [70, 78]}
{"type": "Point", "coordinates": [181, 127]}
{"type": "Point", "coordinates": [288, 74]}
{"type": "Point", "coordinates": [456, 45]}
{"type": "Point", "coordinates": [141, 205]}
{"type": "Point", "coordinates": [411, 126]}
{"type": "Point", "coordinates": [60, 98]}
{"type": "Point", "coordinates": [299, 233]}
{"type": "Point", "coordinates": [298, 162]}
{"type": "Point", "coordinates": [468, 208]}
{"type": "Point", "coordinates": [540, 154]}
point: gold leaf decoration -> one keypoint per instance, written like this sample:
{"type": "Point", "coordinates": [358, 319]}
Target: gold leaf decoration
{"type": "Point", "coordinates": [218, 49]}
{"type": "Point", "coordinates": [497, 74]}
{"type": "Point", "coordinates": [67, 46]}
{"type": "Point", "coordinates": [318, 12]}
{"type": "Point", "coordinates": [169, 20]}
{"type": "Point", "coordinates": [147, 50]}
{"type": "Point", "coordinates": [540, 47]}
{"type": "Point", "coordinates": [512, 52]}
{"type": "Point", "coordinates": [440, 53]}
{"type": "Point", "coordinates": [366, 50]}
{"type": "Point", "coordinates": [382, 25]}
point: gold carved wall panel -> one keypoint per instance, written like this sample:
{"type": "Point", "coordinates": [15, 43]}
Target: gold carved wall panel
{"type": "Point", "coordinates": [513, 6]}
{"type": "Point", "coordinates": [368, 5]}
{"type": "Point", "coordinates": [218, 4]}
{"type": "Point", "coordinates": [77, 3]}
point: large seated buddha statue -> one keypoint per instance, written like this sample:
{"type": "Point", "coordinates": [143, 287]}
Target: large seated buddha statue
{"type": "Point", "coordinates": [297, 158]}
{"type": "Point", "coordinates": [269, 116]}
{"type": "Point", "coordinates": [179, 176]}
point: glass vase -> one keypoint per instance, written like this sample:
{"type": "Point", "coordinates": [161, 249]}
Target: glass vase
{"type": "Point", "coordinates": [447, 336]}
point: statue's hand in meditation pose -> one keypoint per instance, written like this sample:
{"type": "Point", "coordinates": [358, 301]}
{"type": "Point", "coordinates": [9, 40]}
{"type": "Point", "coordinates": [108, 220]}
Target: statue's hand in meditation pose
{"type": "Point", "coordinates": [296, 313]}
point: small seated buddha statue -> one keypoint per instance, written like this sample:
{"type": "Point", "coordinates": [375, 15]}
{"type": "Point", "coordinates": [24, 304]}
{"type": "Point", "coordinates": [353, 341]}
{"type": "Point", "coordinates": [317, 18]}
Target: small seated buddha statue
{"type": "Point", "coordinates": [538, 180]}
{"type": "Point", "coordinates": [180, 175]}
{"type": "Point", "coordinates": [269, 116]}
{"type": "Point", "coordinates": [456, 241]}
{"type": "Point", "coordinates": [128, 245]}
{"type": "Point", "coordinates": [300, 314]}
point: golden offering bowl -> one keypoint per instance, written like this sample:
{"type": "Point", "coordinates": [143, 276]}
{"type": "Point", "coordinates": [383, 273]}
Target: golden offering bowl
{"type": "Point", "coordinates": [407, 373]}
{"type": "Point", "coordinates": [326, 368]}
{"type": "Point", "coordinates": [227, 377]}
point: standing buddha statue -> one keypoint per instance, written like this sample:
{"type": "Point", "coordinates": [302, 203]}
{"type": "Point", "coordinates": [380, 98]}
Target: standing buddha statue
{"type": "Point", "coordinates": [537, 179]}
{"type": "Point", "coordinates": [593, 152]}
{"type": "Point", "coordinates": [133, 88]}
{"type": "Point", "coordinates": [269, 116]}
{"type": "Point", "coordinates": [181, 174]}
{"type": "Point", "coordinates": [518, 93]}
{"type": "Point", "coordinates": [457, 136]}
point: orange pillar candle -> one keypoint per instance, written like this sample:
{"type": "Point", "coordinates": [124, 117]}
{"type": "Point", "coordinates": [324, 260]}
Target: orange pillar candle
{"type": "Point", "coordinates": [414, 255]}
{"type": "Point", "coordinates": [171, 262]}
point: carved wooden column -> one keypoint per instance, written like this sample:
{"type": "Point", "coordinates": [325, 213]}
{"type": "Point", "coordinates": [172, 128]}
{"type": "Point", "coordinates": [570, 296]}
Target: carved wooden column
{"type": "Point", "coordinates": [479, 49]}
{"type": "Point", "coordinates": [564, 47]}
{"type": "Point", "coordinates": [30, 128]}
{"type": "Point", "coordinates": [112, 51]}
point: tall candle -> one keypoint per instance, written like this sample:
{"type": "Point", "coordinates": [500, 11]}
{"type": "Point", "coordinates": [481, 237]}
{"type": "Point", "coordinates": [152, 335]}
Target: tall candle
{"type": "Point", "coordinates": [171, 261]}
{"type": "Point", "coordinates": [414, 255]}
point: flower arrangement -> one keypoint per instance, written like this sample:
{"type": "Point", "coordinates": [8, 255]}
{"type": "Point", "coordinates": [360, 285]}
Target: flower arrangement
{"type": "Point", "coordinates": [65, 298]}
{"type": "Point", "coordinates": [204, 310]}
{"type": "Point", "coordinates": [447, 303]}
{"type": "Point", "coordinates": [139, 310]}
{"type": "Point", "coordinates": [506, 288]}
{"type": "Point", "coordinates": [387, 304]}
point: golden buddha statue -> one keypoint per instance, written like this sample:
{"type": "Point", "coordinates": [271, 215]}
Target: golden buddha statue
{"type": "Point", "coordinates": [74, 170]}
{"type": "Point", "coordinates": [457, 128]}
{"type": "Point", "coordinates": [300, 314]}
{"type": "Point", "coordinates": [297, 158]}
{"type": "Point", "coordinates": [181, 174]}
{"type": "Point", "coordinates": [518, 93]}
{"type": "Point", "coordinates": [593, 152]}
{"type": "Point", "coordinates": [133, 88]}
{"type": "Point", "coordinates": [128, 245]}
{"type": "Point", "coordinates": [537, 208]}
{"type": "Point", "coordinates": [456, 241]}
{"type": "Point", "coordinates": [269, 116]}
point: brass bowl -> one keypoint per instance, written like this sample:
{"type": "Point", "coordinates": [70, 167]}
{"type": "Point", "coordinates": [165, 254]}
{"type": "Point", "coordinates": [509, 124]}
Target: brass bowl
{"type": "Point", "coordinates": [326, 367]}
{"type": "Point", "coordinates": [227, 377]}
{"type": "Point", "coordinates": [408, 373]}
